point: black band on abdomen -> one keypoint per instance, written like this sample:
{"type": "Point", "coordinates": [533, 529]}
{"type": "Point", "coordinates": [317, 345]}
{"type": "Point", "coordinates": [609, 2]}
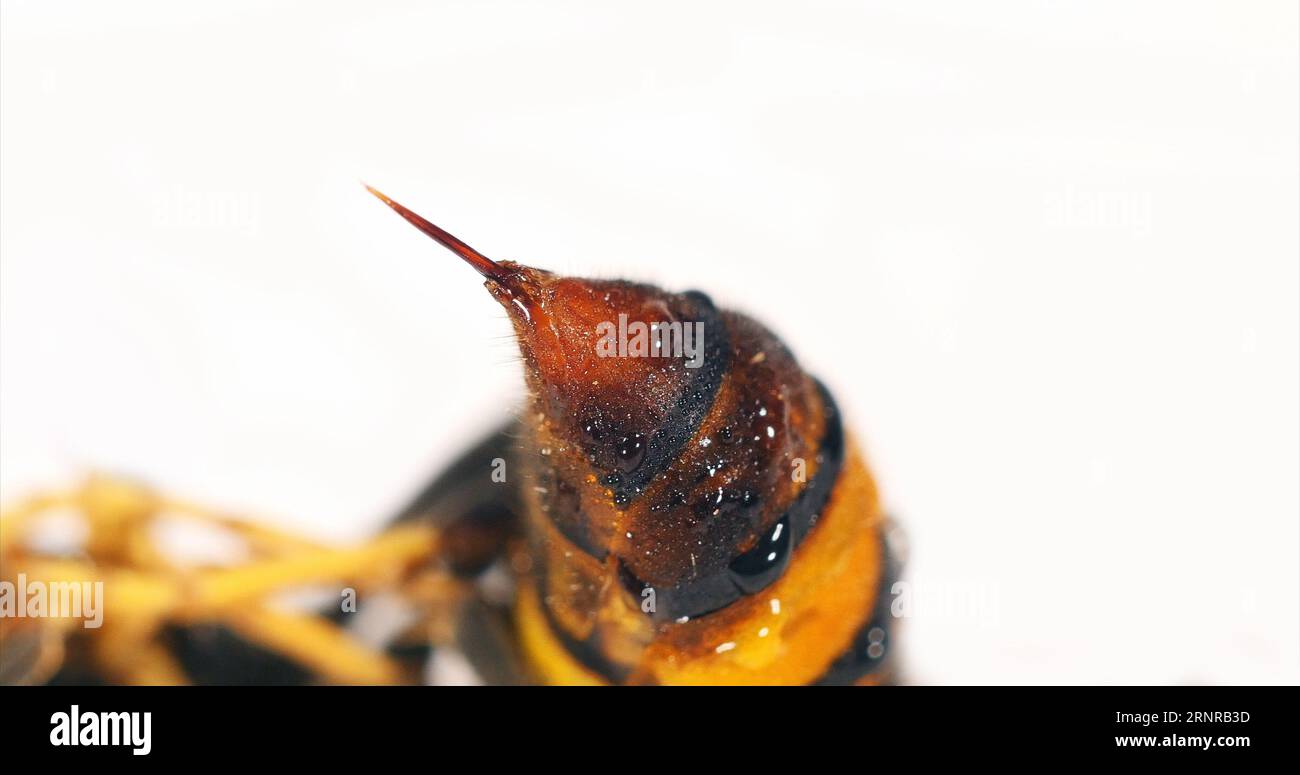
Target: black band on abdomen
{"type": "Point", "coordinates": [691, 407]}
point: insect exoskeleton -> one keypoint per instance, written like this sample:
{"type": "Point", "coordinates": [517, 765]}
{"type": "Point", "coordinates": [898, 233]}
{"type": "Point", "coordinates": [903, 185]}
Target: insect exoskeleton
{"type": "Point", "coordinates": [693, 509]}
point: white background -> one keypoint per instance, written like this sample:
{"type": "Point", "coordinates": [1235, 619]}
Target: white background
{"type": "Point", "coordinates": [1045, 254]}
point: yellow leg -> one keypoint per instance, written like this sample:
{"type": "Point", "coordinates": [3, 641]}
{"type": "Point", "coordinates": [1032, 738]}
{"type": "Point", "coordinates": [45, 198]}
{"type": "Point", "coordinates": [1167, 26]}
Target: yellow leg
{"type": "Point", "coordinates": [143, 591]}
{"type": "Point", "coordinates": [316, 643]}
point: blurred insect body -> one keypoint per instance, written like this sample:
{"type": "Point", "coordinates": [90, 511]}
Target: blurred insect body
{"type": "Point", "coordinates": [149, 600]}
{"type": "Point", "coordinates": [696, 517]}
